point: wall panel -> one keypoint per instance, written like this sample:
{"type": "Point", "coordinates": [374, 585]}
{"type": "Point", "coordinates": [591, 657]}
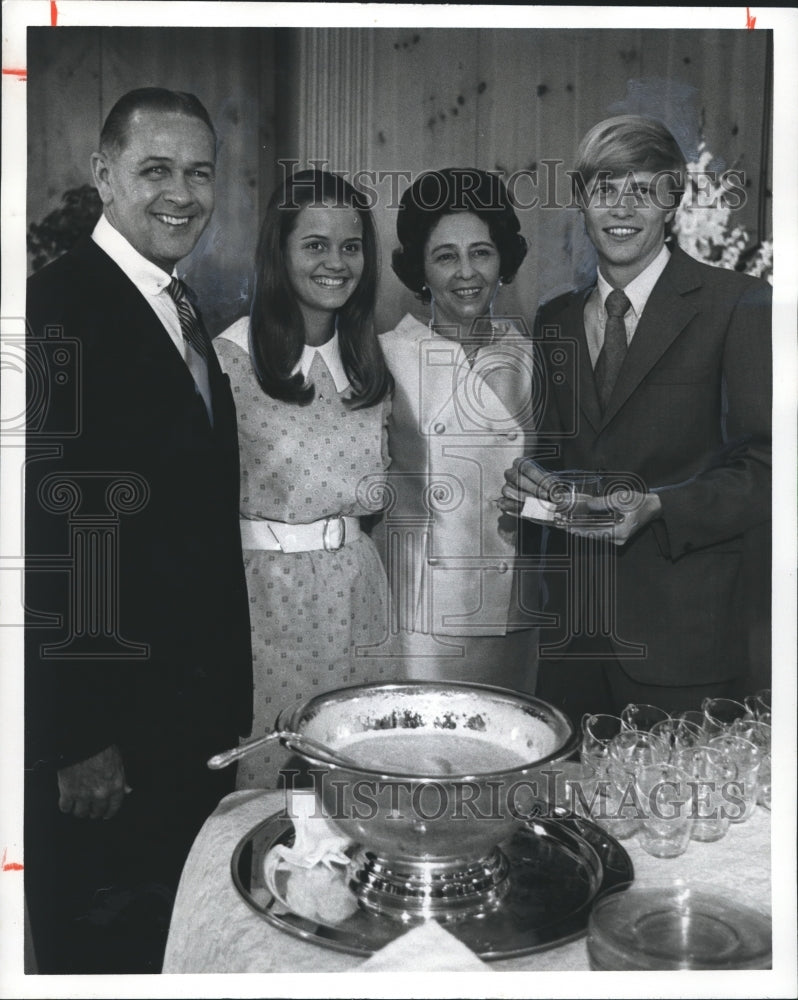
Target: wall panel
{"type": "Point", "coordinates": [75, 77]}
{"type": "Point", "coordinates": [400, 100]}
{"type": "Point", "coordinates": [64, 99]}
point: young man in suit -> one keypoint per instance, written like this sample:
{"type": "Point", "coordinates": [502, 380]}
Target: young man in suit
{"type": "Point", "coordinates": [138, 664]}
{"type": "Point", "coordinates": [669, 398]}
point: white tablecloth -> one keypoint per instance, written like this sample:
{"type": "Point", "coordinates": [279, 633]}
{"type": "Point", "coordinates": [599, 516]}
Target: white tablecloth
{"type": "Point", "coordinates": [214, 931]}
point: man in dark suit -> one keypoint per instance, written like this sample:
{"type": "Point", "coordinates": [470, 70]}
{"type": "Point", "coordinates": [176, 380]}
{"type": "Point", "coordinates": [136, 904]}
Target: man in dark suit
{"type": "Point", "coordinates": [138, 663]}
{"type": "Point", "coordinates": [668, 399]}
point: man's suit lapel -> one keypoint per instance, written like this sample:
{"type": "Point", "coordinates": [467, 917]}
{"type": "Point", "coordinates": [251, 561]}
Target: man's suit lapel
{"type": "Point", "coordinates": [573, 320]}
{"type": "Point", "coordinates": [666, 314]}
{"type": "Point", "coordinates": [146, 341]}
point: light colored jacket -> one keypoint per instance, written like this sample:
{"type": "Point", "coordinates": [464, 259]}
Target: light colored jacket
{"type": "Point", "coordinates": [455, 428]}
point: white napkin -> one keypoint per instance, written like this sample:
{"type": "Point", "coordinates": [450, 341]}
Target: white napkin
{"type": "Point", "coordinates": [308, 878]}
{"type": "Point", "coordinates": [428, 947]}
{"type": "Point", "coordinates": [538, 510]}
{"type": "Point", "coordinates": [316, 840]}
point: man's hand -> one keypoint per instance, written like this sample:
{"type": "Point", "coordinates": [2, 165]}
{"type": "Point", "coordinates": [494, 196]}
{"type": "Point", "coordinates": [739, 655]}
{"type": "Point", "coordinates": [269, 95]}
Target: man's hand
{"type": "Point", "coordinates": [93, 788]}
{"type": "Point", "coordinates": [630, 509]}
{"type": "Point", "coordinates": [525, 479]}
{"type": "Point", "coordinates": [636, 512]}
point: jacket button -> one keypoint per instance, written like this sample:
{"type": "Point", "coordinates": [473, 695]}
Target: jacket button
{"type": "Point", "coordinates": [433, 561]}
{"type": "Point", "coordinates": [439, 428]}
{"type": "Point", "coordinates": [512, 435]}
{"type": "Point", "coordinates": [502, 567]}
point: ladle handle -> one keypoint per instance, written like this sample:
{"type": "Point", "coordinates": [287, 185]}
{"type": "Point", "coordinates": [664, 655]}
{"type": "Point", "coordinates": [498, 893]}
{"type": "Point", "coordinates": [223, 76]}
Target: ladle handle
{"type": "Point", "coordinates": [220, 760]}
{"type": "Point", "coordinates": [290, 740]}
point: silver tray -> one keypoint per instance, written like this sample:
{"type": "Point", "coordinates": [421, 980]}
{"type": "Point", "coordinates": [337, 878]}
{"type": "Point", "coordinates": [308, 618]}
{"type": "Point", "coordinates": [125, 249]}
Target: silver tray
{"type": "Point", "coordinates": [558, 866]}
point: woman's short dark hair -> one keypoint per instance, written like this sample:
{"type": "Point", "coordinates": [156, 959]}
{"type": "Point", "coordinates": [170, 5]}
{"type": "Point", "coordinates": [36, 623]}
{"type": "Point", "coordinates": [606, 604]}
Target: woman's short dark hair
{"type": "Point", "coordinates": [276, 328]}
{"type": "Point", "coordinates": [437, 193]}
{"type": "Point", "coordinates": [115, 130]}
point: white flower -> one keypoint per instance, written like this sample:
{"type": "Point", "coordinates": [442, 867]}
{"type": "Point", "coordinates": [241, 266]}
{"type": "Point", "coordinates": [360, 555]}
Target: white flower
{"type": "Point", "coordinates": [702, 225]}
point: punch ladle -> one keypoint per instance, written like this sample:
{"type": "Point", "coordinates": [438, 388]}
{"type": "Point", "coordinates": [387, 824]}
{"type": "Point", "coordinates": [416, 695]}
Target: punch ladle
{"type": "Point", "coordinates": [307, 743]}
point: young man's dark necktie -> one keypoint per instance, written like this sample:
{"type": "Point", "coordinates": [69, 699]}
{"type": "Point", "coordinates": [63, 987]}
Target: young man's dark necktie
{"type": "Point", "coordinates": [614, 350]}
{"type": "Point", "coordinates": [196, 336]}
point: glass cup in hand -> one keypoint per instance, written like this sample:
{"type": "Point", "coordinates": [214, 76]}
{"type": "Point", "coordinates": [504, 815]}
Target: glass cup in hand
{"type": "Point", "coordinates": [572, 493]}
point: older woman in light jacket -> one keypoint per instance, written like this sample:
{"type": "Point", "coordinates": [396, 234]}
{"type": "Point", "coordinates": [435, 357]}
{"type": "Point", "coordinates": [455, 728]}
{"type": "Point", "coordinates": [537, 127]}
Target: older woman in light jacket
{"type": "Point", "coordinates": [466, 399]}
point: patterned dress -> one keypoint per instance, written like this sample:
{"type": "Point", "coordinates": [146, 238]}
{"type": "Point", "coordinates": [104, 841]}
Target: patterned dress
{"type": "Point", "coordinates": [311, 612]}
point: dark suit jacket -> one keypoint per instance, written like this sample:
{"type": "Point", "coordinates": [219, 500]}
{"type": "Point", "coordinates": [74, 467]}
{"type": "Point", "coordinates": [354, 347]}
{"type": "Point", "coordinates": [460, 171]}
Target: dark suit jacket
{"type": "Point", "coordinates": [155, 645]}
{"type": "Point", "coordinates": [690, 415]}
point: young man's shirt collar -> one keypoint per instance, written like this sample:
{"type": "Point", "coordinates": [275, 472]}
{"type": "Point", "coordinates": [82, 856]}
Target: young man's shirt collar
{"type": "Point", "coordinates": [639, 289]}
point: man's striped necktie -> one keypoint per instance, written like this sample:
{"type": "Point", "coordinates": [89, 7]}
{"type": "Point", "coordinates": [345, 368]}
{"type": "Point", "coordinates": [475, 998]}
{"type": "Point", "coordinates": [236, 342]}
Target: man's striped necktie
{"type": "Point", "coordinates": [190, 324]}
{"type": "Point", "coordinates": [196, 337]}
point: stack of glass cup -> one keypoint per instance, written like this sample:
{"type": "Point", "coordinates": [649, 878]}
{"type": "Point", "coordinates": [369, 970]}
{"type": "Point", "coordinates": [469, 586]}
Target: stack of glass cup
{"type": "Point", "coordinates": [673, 778]}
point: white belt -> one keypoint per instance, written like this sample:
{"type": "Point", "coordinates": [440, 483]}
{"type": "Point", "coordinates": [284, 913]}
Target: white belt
{"type": "Point", "coordinates": [329, 533]}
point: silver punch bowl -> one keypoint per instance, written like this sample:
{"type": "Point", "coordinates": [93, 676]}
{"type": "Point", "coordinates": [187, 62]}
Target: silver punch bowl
{"type": "Point", "coordinates": [429, 823]}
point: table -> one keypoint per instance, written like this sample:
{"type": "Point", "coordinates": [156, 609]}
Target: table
{"type": "Point", "coordinates": [214, 931]}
